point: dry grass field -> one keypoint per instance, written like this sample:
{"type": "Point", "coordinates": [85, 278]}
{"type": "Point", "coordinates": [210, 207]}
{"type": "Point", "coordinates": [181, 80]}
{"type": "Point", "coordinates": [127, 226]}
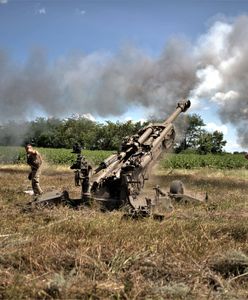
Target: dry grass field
{"type": "Point", "coordinates": [197, 252]}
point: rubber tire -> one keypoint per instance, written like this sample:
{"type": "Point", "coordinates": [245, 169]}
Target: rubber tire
{"type": "Point", "coordinates": [176, 187]}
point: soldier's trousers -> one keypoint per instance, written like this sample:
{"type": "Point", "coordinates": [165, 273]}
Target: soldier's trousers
{"type": "Point", "coordinates": [35, 179]}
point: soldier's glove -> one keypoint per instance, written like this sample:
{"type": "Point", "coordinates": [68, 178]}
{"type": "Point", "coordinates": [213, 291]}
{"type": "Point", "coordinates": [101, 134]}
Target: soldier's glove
{"type": "Point", "coordinates": [30, 176]}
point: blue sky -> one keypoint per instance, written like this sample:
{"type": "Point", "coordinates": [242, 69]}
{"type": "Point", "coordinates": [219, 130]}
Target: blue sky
{"type": "Point", "coordinates": [62, 28]}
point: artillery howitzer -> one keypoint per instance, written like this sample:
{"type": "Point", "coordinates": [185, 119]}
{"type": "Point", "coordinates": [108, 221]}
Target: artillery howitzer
{"type": "Point", "coordinates": [119, 180]}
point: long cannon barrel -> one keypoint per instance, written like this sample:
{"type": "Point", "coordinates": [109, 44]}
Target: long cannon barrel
{"type": "Point", "coordinates": [155, 146]}
{"type": "Point", "coordinates": [181, 107]}
{"type": "Point", "coordinates": [113, 161]}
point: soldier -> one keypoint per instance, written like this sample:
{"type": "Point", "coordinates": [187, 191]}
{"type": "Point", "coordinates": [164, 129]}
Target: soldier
{"type": "Point", "coordinates": [34, 160]}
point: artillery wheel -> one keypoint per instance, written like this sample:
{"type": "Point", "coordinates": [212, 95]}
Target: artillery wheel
{"type": "Point", "coordinates": [176, 187]}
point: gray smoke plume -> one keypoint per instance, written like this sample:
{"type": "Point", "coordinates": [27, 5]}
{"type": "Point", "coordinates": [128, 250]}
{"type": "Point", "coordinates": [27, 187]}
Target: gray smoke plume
{"type": "Point", "coordinates": [28, 88]}
{"type": "Point", "coordinates": [215, 68]}
{"type": "Point", "coordinates": [223, 72]}
{"type": "Point", "coordinates": [97, 83]}
{"type": "Point", "coordinates": [108, 85]}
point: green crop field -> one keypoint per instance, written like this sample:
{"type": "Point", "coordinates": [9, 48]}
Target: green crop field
{"type": "Point", "coordinates": [16, 155]}
{"type": "Point", "coordinates": [192, 161]}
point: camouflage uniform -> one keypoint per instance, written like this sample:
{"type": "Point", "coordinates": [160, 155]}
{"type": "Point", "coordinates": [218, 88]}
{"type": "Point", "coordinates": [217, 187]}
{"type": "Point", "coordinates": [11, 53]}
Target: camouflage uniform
{"type": "Point", "coordinates": [35, 161]}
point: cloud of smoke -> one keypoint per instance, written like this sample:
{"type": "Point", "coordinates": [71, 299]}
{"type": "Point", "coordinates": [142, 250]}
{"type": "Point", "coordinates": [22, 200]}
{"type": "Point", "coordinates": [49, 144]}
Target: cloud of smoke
{"type": "Point", "coordinates": [215, 68]}
{"type": "Point", "coordinates": [98, 83]}
{"type": "Point", "coordinates": [105, 85]}
{"type": "Point", "coordinates": [223, 72]}
{"type": "Point", "coordinates": [28, 88]}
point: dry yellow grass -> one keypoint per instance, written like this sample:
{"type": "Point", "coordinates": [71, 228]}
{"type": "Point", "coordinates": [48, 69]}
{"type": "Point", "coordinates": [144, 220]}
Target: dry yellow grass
{"type": "Point", "coordinates": [198, 252]}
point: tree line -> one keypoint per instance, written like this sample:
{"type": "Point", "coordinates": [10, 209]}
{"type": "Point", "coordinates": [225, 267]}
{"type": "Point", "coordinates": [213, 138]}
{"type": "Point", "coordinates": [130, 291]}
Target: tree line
{"type": "Point", "coordinates": [197, 139]}
{"type": "Point", "coordinates": [57, 133]}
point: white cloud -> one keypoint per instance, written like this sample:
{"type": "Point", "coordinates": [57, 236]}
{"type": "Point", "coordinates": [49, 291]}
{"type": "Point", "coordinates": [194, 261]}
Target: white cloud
{"type": "Point", "coordinates": [77, 116]}
{"type": "Point", "coordinates": [245, 111]}
{"type": "Point", "coordinates": [80, 11]}
{"type": "Point", "coordinates": [214, 127]}
{"type": "Point", "coordinates": [128, 118]}
{"type": "Point", "coordinates": [223, 98]}
{"type": "Point", "coordinates": [209, 81]}
{"type": "Point", "coordinates": [40, 11]}
{"type": "Point", "coordinates": [89, 117]}
{"type": "Point", "coordinates": [141, 120]}
{"type": "Point", "coordinates": [195, 103]}
{"type": "Point", "coordinates": [3, 1]}
{"type": "Point", "coordinates": [212, 45]}
{"type": "Point", "coordinates": [232, 146]}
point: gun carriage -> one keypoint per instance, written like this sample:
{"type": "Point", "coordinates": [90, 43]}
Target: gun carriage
{"type": "Point", "coordinates": [119, 180]}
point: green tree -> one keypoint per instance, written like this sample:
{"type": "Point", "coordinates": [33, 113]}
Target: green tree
{"type": "Point", "coordinates": [194, 130]}
{"type": "Point", "coordinates": [195, 137]}
{"type": "Point", "coordinates": [80, 130]}
{"type": "Point", "coordinates": [218, 142]}
{"type": "Point", "coordinates": [44, 133]}
{"type": "Point", "coordinates": [191, 132]}
{"type": "Point", "coordinates": [211, 142]}
{"type": "Point", "coordinates": [204, 143]}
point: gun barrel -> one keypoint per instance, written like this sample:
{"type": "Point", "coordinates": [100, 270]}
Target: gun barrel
{"type": "Point", "coordinates": [155, 146]}
{"type": "Point", "coordinates": [181, 107]}
{"type": "Point", "coordinates": [145, 135]}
